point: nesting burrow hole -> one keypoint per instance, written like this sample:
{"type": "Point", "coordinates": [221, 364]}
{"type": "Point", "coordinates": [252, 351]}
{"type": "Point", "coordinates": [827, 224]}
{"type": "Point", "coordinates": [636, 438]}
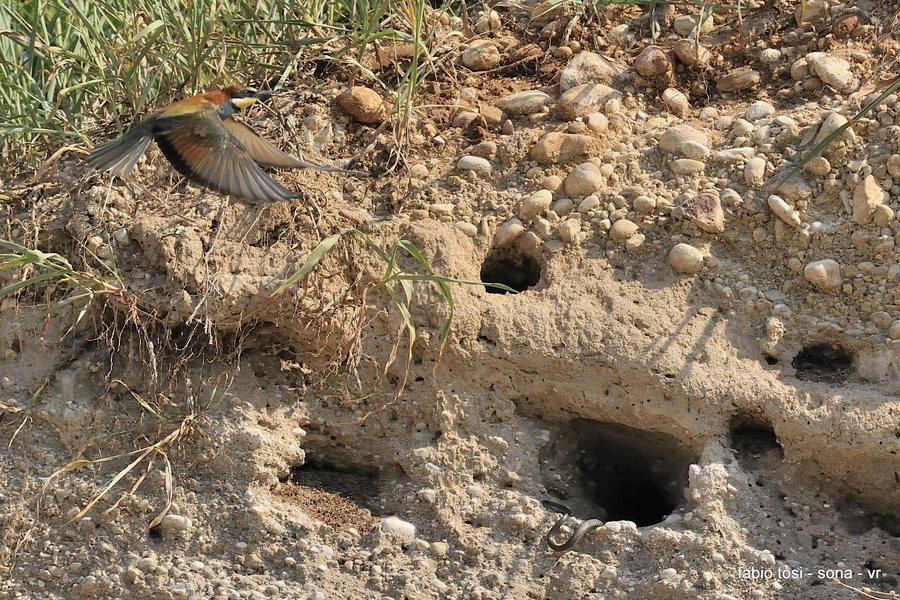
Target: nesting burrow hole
{"type": "Point", "coordinates": [342, 494]}
{"type": "Point", "coordinates": [613, 472]}
{"type": "Point", "coordinates": [512, 267]}
{"type": "Point", "coordinates": [756, 446]}
{"type": "Point", "coordinates": [857, 518]}
{"type": "Point", "coordinates": [825, 363]}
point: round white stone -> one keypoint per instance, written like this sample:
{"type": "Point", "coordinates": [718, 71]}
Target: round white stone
{"type": "Point", "coordinates": [686, 259]}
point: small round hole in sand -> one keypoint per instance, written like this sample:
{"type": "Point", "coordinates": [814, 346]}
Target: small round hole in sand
{"type": "Point", "coordinates": [752, 437]}
{"type": "Point", "coordinates": [614, 472]}
{"type": "Point", "coordinates": [512, 268]}
{"type": "Point", "coordinates": [823, 362]}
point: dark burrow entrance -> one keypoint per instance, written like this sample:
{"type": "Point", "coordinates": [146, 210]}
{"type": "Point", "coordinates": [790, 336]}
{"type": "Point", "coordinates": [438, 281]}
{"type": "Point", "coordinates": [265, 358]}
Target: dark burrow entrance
{"type": "Point", "coordinates": [512, 268]}
{"type": "Point", "coordinates": [340, 494]}
{"type": "Point", "coordinates": [826, 363]}
{"type": "Point", "coordinates": [613, 472]}
{"type": "Point", "coordinates": [756, 446]}
{"type": "Point", "coordinates": [753, 437]}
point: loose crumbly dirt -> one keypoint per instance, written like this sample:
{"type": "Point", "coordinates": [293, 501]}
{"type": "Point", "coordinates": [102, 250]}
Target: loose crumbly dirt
{"type": "Point", "coordinates": [738, 428]}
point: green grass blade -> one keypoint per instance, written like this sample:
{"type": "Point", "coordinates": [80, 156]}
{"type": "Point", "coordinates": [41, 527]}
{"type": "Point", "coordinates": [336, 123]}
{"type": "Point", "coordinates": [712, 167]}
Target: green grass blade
{"type": "Point", "coordinates": [314, 258]}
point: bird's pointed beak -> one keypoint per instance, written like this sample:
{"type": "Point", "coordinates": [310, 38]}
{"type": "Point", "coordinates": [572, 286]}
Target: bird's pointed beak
{"type": "Point", "coordinates": [243, 103]}
{"type": "Point", "coordinates": [263, 95]}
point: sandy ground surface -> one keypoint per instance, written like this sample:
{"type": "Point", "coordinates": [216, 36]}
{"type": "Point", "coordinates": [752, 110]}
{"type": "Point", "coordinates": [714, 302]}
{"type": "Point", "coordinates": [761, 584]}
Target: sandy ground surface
{"type": "Point", "coordinates": [680, 365]}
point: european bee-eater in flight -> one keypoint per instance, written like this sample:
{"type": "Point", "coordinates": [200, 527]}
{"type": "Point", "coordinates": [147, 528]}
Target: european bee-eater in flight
{"type": "Point", "coordinates": [205, 144]}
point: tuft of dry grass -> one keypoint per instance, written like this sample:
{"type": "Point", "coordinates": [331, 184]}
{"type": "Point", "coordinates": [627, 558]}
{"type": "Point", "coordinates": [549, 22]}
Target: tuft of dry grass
{"type": "Point", "coordinates": [67, 66]}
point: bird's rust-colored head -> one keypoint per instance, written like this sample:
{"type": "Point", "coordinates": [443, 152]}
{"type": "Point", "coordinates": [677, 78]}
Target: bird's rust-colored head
{"type": "Point", "coordinates": [232, 99]}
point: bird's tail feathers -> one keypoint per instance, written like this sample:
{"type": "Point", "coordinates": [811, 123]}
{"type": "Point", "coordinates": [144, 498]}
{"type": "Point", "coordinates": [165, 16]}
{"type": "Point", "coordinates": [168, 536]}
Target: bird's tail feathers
{"type": "Point", "coordinates": [119, 156]}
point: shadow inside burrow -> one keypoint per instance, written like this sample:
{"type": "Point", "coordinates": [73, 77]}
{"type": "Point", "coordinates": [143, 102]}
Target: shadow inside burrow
{"type": "Point", "coordinates": [342, 493]}
{"type": "Point", "coordinates": [614, 472]}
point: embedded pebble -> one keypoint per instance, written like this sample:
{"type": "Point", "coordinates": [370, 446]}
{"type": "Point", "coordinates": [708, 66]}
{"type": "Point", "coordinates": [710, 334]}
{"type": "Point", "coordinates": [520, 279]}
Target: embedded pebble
{"type": "Point", "coordinates": [486, 149]}
{"type": "Point", "coordinates": [363, 104]}
{"type": "Point", "coordinates": [562, 147]}
{"type": "Point", "coordinates": [824, 274]}
{"type": "Point", "coordinates": [464, 118]}
{"type": "Point", "coordinates": [799, 69]}
{"type": "Point", "coordinates": [536, 204]}
{"type": "Point", "coordinates": [818, 166]}
{"type": "Point", "coordinates": [893, 166]}
{"type": "Point", "coordinates": [811, 11]}
{"type": "Point", "coordinates": [759, 110]}
{"type": "Point", "coordinates": [652, 61]}
{"type": "Point", "coordinates": [694, 150]}
{"type": "Point", "coordinates": [588, 67]}
{"type": "Point", "coordinates": [551, 182]}
{"type": "Point", "coordinates": [705, 210]}
{"type": "Point", "coordinates": [687, 166]}
{"type": "Point", "coordinates": [147, 564]}
{"type": "Point", "coordinates": [735, 82]}
{"type": "Point", "coordinates": [440, 549]}
{"type": "Point", "coordinates": [784, 211]}
{"type": "Point", "coordinates": [669, 573]}
{"type": "Point", "coordinates": [742, 127]}
{"type": "Point", "coordinates": [508, 233]}
{"type": "Point", "coordinates": [866, 198]}
{"type": "Point", "coordinates": [644, 204]}
{"type": "Point", "coordinates": [584, 180]}
{"type": "Point", "coordinates": [481, 55]}
{"type": "Point", "coordinates": [175, 523]}
{"type": "Point", "coordinates": [633, 243]}
{"type": "Point", "coordinates": [755, 171]}
{"type": "Point", "coordinates": [487, 21]}
{"type": "Point", "coordinates": [597, 122]}
{"type": "Point", "coordinates": [844, 26]}
{"type": "Point", "coordinates": [569, 230]}
{"type": "Point", "coordinates": [676, 102]}
{"type": "Point", "coordinates": [525, 103]}
{"type": "Point", "coordinates": [94, 243]}
{"type": "Point", "coordinates": [684, 25]}
{"type": "Point", "coordinates": [733, 155]}
{"type": "Point", "coordinates": [883, 215]}
{"type": "Point", "coordinates": [399, 528]}
{"type": "Point", "coordinates": [259, 509]}
{"type": "Point", "coordinates": [770, 56]}
{"type": "Point", "coordinates": [442, 209]}
{"type": "Point", "coordinates": [121, 236]}
{"type": "Point", "coordinates": [690, 53]}
{"type": "Point", "coordinates": [674, 138]}
{"type": "Point", "coordinates": [686, 259]}
{"type": "Point", "coordinates": [795, 189]}
{"type": "Point", "coordinates": [894, 331]}
{"type": "Point", "coordinates": [831, 123]}
{"type": "Point", "coordinates": [479, 165]}
{"type": "Point", "coordinates": [833, 71]}
{"type": "Point", "coordinates": [623, 229]}
{"type": "Point", "coordinates": [621, 35]}
{"type": "Point", "coordinates": [585, 99]}
{"type": "Point", "coordinates": [563, 207]}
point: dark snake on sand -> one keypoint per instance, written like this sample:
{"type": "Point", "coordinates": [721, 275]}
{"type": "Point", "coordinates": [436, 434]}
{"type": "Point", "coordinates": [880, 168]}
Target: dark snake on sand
{"type": "Point", "coordinates": [579, 533]}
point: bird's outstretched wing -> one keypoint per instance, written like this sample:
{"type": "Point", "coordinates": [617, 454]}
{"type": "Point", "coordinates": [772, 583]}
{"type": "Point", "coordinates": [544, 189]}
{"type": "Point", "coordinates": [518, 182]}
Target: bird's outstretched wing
{"type": "Point", "coordinates": [258, 148]}
{"type": "Point", "coordinates": [265, 153]}
{"type": "Point", "coordinates": [119, 156]}
{"type": "Point", "coordinates": [201, 148]}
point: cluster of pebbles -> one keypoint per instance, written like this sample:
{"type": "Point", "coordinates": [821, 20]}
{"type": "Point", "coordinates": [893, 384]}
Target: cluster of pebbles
{"type": "Point", "coordinates": [618, 158]}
